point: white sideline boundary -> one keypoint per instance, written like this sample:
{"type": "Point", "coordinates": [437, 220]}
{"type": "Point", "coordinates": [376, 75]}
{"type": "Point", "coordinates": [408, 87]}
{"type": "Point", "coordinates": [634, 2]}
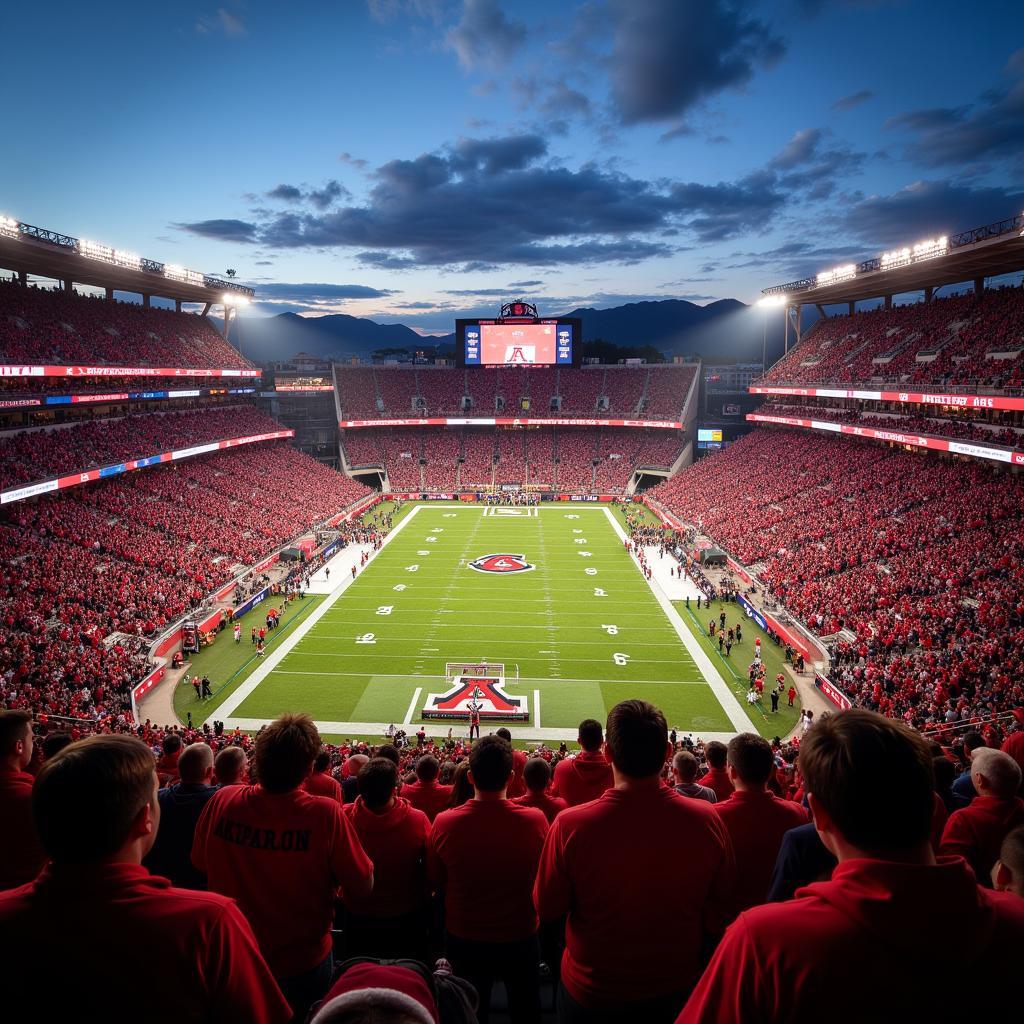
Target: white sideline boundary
{"type": "Point", "coordinates": [730, 705]}
{"type": "Point", "coordinates": [224, 712]}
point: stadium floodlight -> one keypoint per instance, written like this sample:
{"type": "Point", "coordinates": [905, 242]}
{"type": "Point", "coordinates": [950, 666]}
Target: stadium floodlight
{"type": "Point", "coordinates": [926, 250]}
{"type": "Point", "coordinates": [8, 226]}
{"type": "Point", "coordinates": [235, 299]}
{"type": "Point", "coordinates": [843, 273]}
{"type": "Point", "coordinates": [95, 250]}
{"type": "Point", "coordinates": [123, 258]}
{"type": "Point", "coordinates": [768, 301]}
{"type": "Point", "coordinates": [174, 271]}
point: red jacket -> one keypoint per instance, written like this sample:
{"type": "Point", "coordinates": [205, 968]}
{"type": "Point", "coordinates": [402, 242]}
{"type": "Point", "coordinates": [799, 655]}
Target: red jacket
{"type": "Point", "coordinates": [484, 856]}
{"type": "Point", "coordinates": [868, 946]}
{"type": "Point", "coordinates": [718, 780]}
{"type": "Point", "coordinates": [976, 832]}
{"type": "Point", "coordinates": [545, 802]}
{"type": "Point", "coordinates": [142, 949]}
{"type": "Point", "coordinates": [396, 842]}
{"type": "Point", "coordinates": [282, 857]}
{"type": "Point", "coordinates": [644, 876]}
{"type": "Point", "coordinates": [429, 797]}
{"type": "Point", "coordinates": [21, 856]}
{"type": "Point", "coordinates": [583, 777]}
{"type": "Point", "coordinates": [322, 784]}
{"type": "Point", "coordinates": [756, 823]}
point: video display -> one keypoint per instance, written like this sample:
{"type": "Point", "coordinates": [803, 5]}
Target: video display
{"type": "Point", "coordinates": [537, 343]}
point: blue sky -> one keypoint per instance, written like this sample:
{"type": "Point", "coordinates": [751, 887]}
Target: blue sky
{"type": "Point", "coordinates": [417, 159]}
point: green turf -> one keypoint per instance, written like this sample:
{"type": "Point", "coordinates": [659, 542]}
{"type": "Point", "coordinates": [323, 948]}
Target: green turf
{"type": "Point", "coordinates": [549, 623]}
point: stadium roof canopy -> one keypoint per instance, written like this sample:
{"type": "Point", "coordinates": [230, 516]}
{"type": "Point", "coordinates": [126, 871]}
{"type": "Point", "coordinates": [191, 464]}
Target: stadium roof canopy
{"type": "Point", "coordinates": [987, 251]}
{"type": "Point", "coordinates": [30, 250]}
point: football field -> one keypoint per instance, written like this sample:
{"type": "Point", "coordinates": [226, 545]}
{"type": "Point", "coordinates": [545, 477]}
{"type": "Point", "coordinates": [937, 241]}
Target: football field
{"type": "Point", "coordinates": [550, 593]}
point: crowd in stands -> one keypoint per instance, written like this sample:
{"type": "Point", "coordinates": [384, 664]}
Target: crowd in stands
{"type": "Point", "coordinates": [42, 453]}
{"type": "Point", "coordinates": [63, 328]}
{"type": "Point", "coordinates": [949, 341]}
{"type": "Point", "coordinates": [276, 879]}
{"type": "Point", "coordinates": [918, 559]}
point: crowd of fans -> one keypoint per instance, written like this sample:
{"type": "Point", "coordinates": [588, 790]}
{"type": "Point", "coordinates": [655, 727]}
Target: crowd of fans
{"type": "Point", "coordinates": [278, 879]}
{"type": "Point", "coordinates": [949, 341]}
{"type": "Point", "coordinates": [64, 328]}
{"type": "Point", "coordinates": [917, 559]}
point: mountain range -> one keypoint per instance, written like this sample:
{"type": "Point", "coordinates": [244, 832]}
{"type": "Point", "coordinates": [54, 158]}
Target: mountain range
{"type": "Point", "coordinates": [727, 329]}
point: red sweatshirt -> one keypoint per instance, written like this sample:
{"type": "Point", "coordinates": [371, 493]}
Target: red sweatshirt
{"type": "Point", "coordinates": [868, 946]}
{"type": "Point", "coordinates": [976, 832]}
{"type": "Point", "coordinates": [429, 797]}
{"type": "Point", "coordinates": [21, 856]}
{"type": "Point", "coordinates": [321, 784]}
{"type": "Point", "coordinates": [643, 876]}
{"type": "Point", "coordinates": [516, 786]}
{"type": "Point", "coordinates": [484, 856]}
{"type": "Point", "coordinates": [283, 857]}
{"type": "Point", "coordinates": [545, 802]}
{"type": "Point", "coordinates": [756, 823]}
{"type": "Point", "coordinates": [718, 780]}
{"type": "Point", "coordinates": [582, 778]}
{"type": "Point", "coordinates": [141, 949]}
{"type": "Point", "coordinates": [396, 842]}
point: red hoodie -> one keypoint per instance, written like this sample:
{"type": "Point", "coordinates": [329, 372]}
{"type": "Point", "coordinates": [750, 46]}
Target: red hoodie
{"type": "Point", "coordinates": [868, 946]}
{"type": "Point", "coordinates": [429, 797]}
{"type": "Point", "coordinates": [21, 856]}
{"type": "Point", "coordinates": [322, 784]}
{"type": "Point", "coordinates": [550, 805]}
{"type": "Point", "coordinates": [396, 842]}
{"type": "Point", "coordinates": [582, 778]}
{"type": "Point", "coordinates": [976, 831]}
{"type": "Point", "coordinates": [718, 780]}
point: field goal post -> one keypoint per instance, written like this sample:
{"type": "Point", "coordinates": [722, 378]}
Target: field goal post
{"type": "Point", "coordinates": [484, 669]}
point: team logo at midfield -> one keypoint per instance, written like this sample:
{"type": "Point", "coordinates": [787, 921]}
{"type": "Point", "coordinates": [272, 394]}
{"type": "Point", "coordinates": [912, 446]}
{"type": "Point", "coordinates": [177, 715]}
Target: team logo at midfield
{"type": "Point", "coordinates": [501, 563]}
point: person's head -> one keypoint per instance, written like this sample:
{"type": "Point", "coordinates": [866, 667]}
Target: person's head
{"type": "Point", "coordinates": [750, 761]}
{"type": "Point", "coordinates": [427, 768]}
{"type": "Point", "coordinates": [354, 765]}
{"type": "Point", "coordinates": [945, 773]}
{"type": "Point", "coordinates": [870, 783]}
{"type": "Point", "coordinates": [716, 754]}
{"type": "Point", "coordinates": [462, 788]}
{"type": "Point", "coordinates": [377, 782]}
{"type": "Point", "coordinates": [54, 743]}
{"type": "Point", "coordinates": [389, 751]}
{"type": "Point", "coordinates": [504, 734]}
{"type": "Point", "coordinates": [994, 773]}
{"type": "Point", "coordinates": [196, 764]}
{"type": "Point", "coordinates": [322, 761]}
{"type": "Point", "coordinates": [591, 735]}
{"type": "Point", "coordinates": [684, 768]}
{"type": "Point", "coordinates": [285, 752]}
{"type": "Point", "coordinates": [490, 764]}
{"type": "Point", "coordinates": [637, 739]}
{"type": "Point", "coordinates": [972, 741]}
{"type": "Point", "coordinates": [537, 774]}
{"type": "Point", "coordinates": [96, 800]}
{"type": "Point", "coordinates": [1008, 872]}
{"type": "Point", "coordinates": [229, 766]}
{"type": "Point", "coordinates": [171, 744]}
{"type": "Point", "coordinates": [371, 993]}
{"type": "Point", "coordinates": [16, 739]}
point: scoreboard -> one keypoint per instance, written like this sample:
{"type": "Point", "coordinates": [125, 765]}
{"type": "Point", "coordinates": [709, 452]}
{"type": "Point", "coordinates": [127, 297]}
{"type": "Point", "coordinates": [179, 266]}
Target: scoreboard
{"type": "Point", "coordinates": [518, 342]}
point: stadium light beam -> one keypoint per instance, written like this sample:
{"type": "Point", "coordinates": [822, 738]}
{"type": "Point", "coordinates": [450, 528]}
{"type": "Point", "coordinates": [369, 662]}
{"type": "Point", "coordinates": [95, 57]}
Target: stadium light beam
{"type": "Point", "coordinates": [771, 301]}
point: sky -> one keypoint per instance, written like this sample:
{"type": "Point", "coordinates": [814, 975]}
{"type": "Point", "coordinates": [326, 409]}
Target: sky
{"type": "Point", "coordinates": [415, 160]}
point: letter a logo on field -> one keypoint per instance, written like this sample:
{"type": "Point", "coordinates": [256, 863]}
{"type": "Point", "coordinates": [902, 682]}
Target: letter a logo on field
{"type": "Point", "coordinates": [501, 564]}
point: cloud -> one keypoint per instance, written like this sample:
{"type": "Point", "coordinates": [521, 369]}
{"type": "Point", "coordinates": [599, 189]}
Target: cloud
{"type": "Point", "coordinates": [798, 150]}
{"type": "Point", "coordinates": [812, 163]}
{"type": "Point", "coordinates": [722, 211]}
{"type": "Point", "coordinates": [321, 198]}
{"type": "Point", "coordinates": [387, 10]}
{"type": "Point", "coordinates": [495, 155]}
{"type": "Point", "coordinates": [855, 99]}
{"type": "Point", "coordinates": [485, 35]}
{"type": "Point", "coordinates": [668, 57]}
{"type": "Point", "coordinates": [222, 230]}
{"type": "Point", "coordinates": [525, 284]}
{"type": "Point", "coordinates": [312, 292]}
{"type": "Point", "coordinates": [286, 193]}
{"type": "Point", "coordinates": [357, 162]}
{"type": "Point", "coordinates": [223, 22]}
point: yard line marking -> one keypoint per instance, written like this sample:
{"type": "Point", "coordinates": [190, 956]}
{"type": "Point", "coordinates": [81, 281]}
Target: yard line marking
{"type": "Point", "coordinates": [412, 706]}
{"type": "Point", "coordinates": [522, 679]}
{"type": "Point", "coordinates": [536, 709]}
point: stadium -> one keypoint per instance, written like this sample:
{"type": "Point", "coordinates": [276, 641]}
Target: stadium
{"type": "Point", "coordinates": [504, 679]}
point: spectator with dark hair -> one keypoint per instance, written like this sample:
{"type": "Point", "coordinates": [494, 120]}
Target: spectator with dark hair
{"type": "Point", "coordinates": [755, 818]}
{"type": "Point", "coordinates": [21, 855]}
{"type": "Point", "coordinates": [350, 784]}
{"type": "Point", "coordinates": [537, 778]}
{"type": "Point", "coordinates": [644, 876]}
{"type": "Point", "coordinates": [426, 793]}
{"type": "Point", "coordinates": [684, 771]}
{"type": "Point", "coordinates": [181, 804]}
{"type": "Point", "coordinates": [320, 781]}
{"type": "Point", "coordinates": [1008, 873]}
{"type": "Point", "coordinates": [231, 767]}
{"type": "Point", "coordinates": [976, 831]}
{"type": "Point", "coordinates": [138, 942]}
{"type": "Point", "coordinates": [483, 856]}
{"type": "Point", "coordinates": [963, 788]}
{"type": "Point", "coordinates": [717, 775]}
{"type": "Point", "coordinates": [283, 853]}
{"type": "Point", "coordinates": [390, 751]}
{"type": "Point", "coordinates": [54, 743]}
{"type": "Point", "coordinates": [516, 787]}
{"type": "Point", "coordinates": [167, 763]}
{"type": "Point", "coordinates": [392, 920]}
{"type": "Point", "coordinates": [882, 916]}
{"type": "Point", "coordinates": [462, 788]}
{"type": "Point", "coordinates": [587, 775]}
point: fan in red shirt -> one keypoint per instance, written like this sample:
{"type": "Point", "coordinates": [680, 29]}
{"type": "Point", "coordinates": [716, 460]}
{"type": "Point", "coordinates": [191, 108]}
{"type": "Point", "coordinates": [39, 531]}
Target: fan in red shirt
{"type": "Point", "coordinates": [536, 778]}
{"type": "Point", "coordinates": [483, 855]}
{"type": "Point", "coordinates": [392, 920]}
{"type": "Point", "coordinates": [21, 855]}
{"type": "Point", "coordinates": [644, 875]}
{"type": "Point", "coordinates": [516, 787]}
{"type": "Point", "coordinates": [869, 944]}
{"type": "Point", "coordinates": [976, 831]}
{"type": "Point", "coordinates": [320, 782]}
{"type": "Point", "coordinates": [717, 775]}
{"type": "Point", "coordinates": [426, 794]}
{"type": "Point", "coordinates": [167, 764]}
{"type": "Point", "coordinates": [755, 818]}
{"type": "Point", "coordinates": [141, 947]}
{"type": "Point", "coordinates": [283, 854]}
{"type": "Point", "coordinates": [587, 775]}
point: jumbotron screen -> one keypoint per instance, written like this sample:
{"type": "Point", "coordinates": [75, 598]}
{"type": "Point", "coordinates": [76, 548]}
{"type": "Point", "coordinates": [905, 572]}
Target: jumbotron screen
{"type": "Point", "coordinates": [530, 343]}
